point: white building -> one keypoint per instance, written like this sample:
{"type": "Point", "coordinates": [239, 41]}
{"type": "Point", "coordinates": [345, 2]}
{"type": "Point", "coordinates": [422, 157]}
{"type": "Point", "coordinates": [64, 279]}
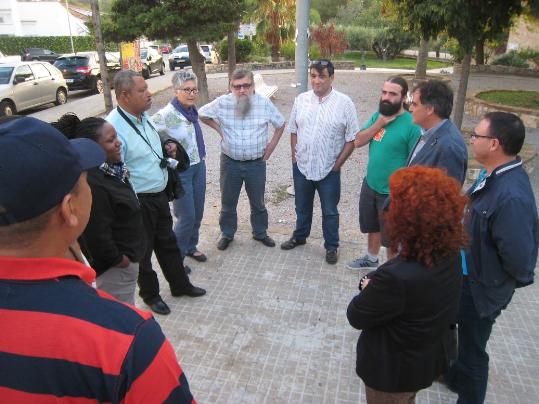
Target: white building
{"type": "Point", "coordinates": [38, 18]}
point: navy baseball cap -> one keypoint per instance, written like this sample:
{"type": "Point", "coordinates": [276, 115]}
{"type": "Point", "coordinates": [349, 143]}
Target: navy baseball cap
{"type": "Point", "coordinates": [38, 167]}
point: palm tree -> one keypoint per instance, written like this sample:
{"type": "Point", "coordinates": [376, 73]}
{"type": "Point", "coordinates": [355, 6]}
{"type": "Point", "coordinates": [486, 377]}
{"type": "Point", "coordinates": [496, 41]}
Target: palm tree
{"type": "Point", "coordinates": [275, 16]}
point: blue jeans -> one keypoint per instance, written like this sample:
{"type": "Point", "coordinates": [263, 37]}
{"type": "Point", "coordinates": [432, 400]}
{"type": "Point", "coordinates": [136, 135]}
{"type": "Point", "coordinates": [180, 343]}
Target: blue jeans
{"type": "Point", "coordinates": [189, 208]}
{"type": "Point", "coordinates": [233, 174]}
{"type": "Point", "coordinates": [329, 191]}
{"type": "Point", "coordinates": [469, 374]}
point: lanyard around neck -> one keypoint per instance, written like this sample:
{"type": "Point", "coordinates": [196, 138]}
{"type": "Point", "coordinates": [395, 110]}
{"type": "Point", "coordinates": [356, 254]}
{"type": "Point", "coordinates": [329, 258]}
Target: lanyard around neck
{"type": "Point", "coordinates": [130, 123]}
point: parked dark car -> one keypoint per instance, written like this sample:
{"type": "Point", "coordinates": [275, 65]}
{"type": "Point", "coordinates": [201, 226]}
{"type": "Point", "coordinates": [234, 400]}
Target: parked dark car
{"type": "Point", "coordinates": [82, 71]}
{"type": "Point", "coordinates": [39, 54]}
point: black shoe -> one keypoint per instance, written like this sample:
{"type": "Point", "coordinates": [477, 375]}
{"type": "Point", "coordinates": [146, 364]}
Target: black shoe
{"type": "Point", "coordinates": [331, 257]}
{"type": "Point", "coordinates": [292, 243]}
{"type": "Point", "coordinates": [191, 291]}
{"type": "Point", "coordinates": [267, 241]}
{"type": "Point", "coordinates": [200, 258]}
{"type": "Point", "coordinates": [159, 307]}
{"type": "Point", "coordinates": [187, 269]}
{"type": "Point", "coordinates": [223, 243]}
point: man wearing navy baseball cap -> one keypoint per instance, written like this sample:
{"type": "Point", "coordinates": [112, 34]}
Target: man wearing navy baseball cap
{"type": "Point", "coordinates": [60, 336]}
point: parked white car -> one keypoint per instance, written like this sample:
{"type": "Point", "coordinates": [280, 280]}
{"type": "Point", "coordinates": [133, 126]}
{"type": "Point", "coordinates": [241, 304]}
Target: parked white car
{"type": "Point", "coordinates": [25, 85]}
{"type": "Point", "coordinates": [209, 54]}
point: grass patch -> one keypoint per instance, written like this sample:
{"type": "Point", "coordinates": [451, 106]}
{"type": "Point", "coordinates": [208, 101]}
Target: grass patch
{"type": "Point", "coordinates": [279, 194]}
{"type": "Point", "coordinates": [520, 99]}
{"type": "Point", "coordinates": [398, 63]}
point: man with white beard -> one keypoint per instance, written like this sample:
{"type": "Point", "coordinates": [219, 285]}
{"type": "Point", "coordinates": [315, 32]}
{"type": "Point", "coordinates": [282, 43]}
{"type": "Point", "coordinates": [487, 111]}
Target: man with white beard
{"type": "Point", "coordinates": [242, 119]}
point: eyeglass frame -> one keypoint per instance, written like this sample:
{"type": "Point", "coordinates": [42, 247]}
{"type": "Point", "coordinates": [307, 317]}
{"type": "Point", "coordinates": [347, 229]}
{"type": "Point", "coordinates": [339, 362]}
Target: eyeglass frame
{"type": "Point", "coordinates": [476, 136]}
{"type": "Point", "coordinates": [189, 91]}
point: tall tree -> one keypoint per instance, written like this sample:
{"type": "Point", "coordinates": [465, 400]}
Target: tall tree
{"type": "Point", "coordinates": [464, 20]}
{"type": "Point", "coordinates": [275, 16]}
{"type": "Point", "coordinates": [190, 20]}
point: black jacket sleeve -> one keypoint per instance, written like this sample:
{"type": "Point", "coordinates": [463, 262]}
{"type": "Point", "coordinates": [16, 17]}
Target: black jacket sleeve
{"type": "Point", "coordinates": [379, 302]}
{"type": "Point", "coordinates": [98, 234]}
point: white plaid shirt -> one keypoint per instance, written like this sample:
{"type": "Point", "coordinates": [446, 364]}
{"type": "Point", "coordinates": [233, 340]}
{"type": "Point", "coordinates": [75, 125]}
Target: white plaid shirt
{"type": "Point", "coordinates": [322, 128]}
{"type": "Point", "coordinates": [245, 138]}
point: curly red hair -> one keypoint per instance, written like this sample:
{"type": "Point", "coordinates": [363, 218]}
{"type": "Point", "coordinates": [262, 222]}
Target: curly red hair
{"type": "Point", "coordinates": [425, 217]}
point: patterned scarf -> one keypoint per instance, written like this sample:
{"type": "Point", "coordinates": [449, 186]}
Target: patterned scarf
{"type": "Point", "coordinates": [118, 170]}
{"type": "Point", "coordinates": [191, 114]}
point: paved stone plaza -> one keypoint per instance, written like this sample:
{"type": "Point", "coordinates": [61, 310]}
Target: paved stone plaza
{"type": "Point", "coordinates": [273, 327]}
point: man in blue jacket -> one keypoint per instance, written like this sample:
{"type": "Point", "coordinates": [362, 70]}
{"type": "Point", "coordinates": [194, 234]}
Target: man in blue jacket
{"type": "Point", "coordinates": [441, 143]}
{"type": "Point", "coordinates": [504, 231]}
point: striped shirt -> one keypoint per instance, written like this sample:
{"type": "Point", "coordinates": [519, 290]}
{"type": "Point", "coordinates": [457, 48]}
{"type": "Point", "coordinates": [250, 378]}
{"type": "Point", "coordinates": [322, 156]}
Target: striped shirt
{"type": "Point", "coordinates": [245, 138]}
{"type": "Point", "coordinates": [63, 341]}
{"type": "Point", "coordinates": [322, 129]}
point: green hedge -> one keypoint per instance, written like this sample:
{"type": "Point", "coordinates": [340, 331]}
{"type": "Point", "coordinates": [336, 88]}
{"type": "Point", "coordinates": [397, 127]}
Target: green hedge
{"type": "Point", "coordinates": [244, 48]}
{"type": "Point", "coordinates": [13, 45]}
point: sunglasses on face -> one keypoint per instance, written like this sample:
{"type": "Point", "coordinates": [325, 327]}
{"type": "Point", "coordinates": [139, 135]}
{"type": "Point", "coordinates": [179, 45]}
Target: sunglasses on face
{"type": "Point", "coordinates": [245, 86]}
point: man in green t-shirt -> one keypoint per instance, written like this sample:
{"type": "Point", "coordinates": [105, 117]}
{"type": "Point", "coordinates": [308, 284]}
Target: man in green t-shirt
{"type": "Point", "coordinates": [391, 136]}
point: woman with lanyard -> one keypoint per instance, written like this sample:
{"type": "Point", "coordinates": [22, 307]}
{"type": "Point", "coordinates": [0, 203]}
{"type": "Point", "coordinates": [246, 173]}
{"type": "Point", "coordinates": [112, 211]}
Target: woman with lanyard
{"type": "Point", "coordinates": [112, 240]}
{"type": "Point", "coordinates": [179, 120]}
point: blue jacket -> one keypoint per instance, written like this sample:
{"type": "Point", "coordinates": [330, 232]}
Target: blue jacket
{"type": "Point", "coordinates": [504, 231]}
{"type": "Point", "coordinates": [445, 149]}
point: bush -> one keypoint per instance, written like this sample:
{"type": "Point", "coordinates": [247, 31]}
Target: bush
{"type": "Point", "coordinates": [391, 41]}
{"type": "Point", "coordinates": [528, 54]}
{"type": "Point", "coordinates": [244, 48]}
{"type": "Point", "coordinates": [330, 41]}
{"type": "Point", "coordinates": [13, 45]}
{"type": "Point", "coordinates": [513, 59]}
{"type": "Point", "coordinates": [314, 52]}
{"type": "Point", "coordinates": [360, 38]}
{"type": "Point", "coordinates": [288, 50]}
{"type": "Point", "coordinates": [260, 48]}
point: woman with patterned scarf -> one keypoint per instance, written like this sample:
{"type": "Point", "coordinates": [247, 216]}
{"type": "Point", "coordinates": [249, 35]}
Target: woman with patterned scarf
{"type": "Point", "coordinates": [179, 120]}
{"type": "Point", "coordinates": [113, 241]}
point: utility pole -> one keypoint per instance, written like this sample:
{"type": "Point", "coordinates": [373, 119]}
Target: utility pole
{"type": "Point", "coordinates": [302, 44]}
{"type": "Point", "coordinates": [96, 18]}
{"type": "Point", "coordinates": [69, 26]}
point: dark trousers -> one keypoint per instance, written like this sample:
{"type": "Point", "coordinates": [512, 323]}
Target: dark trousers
{"type": "Point", "coordinates": [469, 374]}
{"type": "Point", "coordinates": [329, 191]}
{"type": "Point", "coordinates": [160, 239]}
{"type": "Point", "coordinates": [234, 174]}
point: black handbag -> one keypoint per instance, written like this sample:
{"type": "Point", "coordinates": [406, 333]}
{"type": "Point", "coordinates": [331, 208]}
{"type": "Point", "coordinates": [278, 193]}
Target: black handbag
{"type": "Point", "coordinates": [174, 189]}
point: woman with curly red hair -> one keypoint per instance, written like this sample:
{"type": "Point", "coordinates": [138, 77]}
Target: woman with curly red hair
{"type": "Point", "coordinates": [411, 301]}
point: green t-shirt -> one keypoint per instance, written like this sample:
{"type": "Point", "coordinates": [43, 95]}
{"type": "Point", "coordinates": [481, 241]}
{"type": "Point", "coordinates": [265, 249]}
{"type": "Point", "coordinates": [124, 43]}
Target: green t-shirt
{"type": "Point", "coordinates": [389, 149]}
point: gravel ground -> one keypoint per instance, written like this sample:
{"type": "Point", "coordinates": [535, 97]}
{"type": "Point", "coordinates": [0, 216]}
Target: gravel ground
{"type": "Point", "coordinates": [364, 89]}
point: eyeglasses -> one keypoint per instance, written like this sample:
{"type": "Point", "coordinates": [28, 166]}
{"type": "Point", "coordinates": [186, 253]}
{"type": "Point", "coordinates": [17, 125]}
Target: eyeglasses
{"type": "Point", "coordinates": [319, 63]}
{"type": "Point", "coordinates": [189, 90]}
{"type": "Point", "coordinates": [476, 136]}
{"type": "Point", "coordinates": [245, 86]}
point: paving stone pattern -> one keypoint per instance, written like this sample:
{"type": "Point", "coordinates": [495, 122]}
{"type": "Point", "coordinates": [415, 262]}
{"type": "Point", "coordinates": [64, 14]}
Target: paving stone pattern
{"type": "Point", "coordinates": [273, 328]}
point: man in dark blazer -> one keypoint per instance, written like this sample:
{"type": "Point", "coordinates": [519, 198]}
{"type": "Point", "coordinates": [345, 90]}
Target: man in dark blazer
{"type": "Point", "coordinates": [441, 144]}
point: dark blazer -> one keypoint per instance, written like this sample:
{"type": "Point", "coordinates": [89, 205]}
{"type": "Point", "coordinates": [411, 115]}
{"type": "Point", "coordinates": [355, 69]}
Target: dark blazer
{"type": "Point", "coordinates": [115, 227]}
{"type": "Point", "coordinates": [444, 149]}
{"type": "Point", "coordinates": [405, 312]}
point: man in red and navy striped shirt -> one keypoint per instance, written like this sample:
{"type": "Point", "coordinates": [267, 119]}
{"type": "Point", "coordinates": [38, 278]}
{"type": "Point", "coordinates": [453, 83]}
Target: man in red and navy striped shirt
{"type": "Point", "coordinates": [62, 340]}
